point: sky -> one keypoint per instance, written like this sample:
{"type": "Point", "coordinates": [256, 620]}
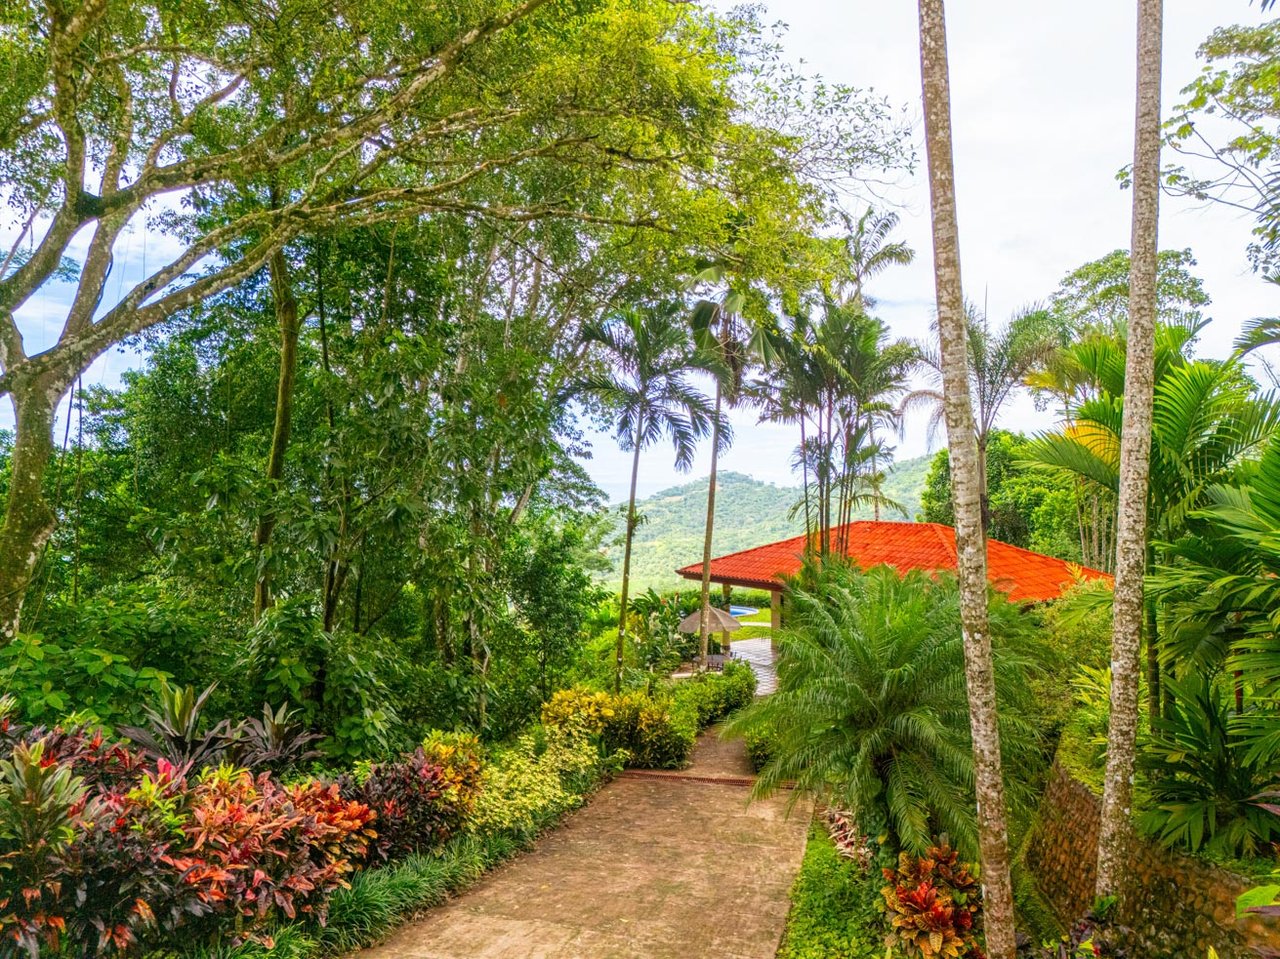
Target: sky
{"type": "Point", "coordinates": [1042, 110]}
{"type": "Point", "coordinates": [1042, 105]}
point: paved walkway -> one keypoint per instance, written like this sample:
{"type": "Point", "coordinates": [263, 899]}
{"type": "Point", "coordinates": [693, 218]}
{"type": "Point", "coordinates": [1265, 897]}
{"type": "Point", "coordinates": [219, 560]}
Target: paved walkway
{"type": "Point", "coordinates": [657, 866]}
{"type": "Point", "coordinates": [759, 653]}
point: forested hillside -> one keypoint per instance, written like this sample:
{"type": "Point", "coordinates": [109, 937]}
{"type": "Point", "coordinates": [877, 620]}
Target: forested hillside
{"type": "Point", "coordinates": [748, 513]}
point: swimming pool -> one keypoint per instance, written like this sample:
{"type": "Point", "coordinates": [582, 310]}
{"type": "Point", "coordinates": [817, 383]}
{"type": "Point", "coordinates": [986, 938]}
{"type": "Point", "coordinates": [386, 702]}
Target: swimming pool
{"type": "Point", "coordinates": [743, 610]}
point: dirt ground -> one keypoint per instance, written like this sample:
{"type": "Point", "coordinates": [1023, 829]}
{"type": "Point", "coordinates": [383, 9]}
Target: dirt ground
{"type": "Point", "coordinates": [657, 866]}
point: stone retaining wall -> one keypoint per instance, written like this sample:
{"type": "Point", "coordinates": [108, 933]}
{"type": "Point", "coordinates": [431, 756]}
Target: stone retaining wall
{"type": "Point", "coordinates": [1177, 907]}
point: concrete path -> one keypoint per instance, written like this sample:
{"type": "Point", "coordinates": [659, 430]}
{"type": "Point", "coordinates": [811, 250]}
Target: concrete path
{"type": "Point", "coordinates": [657, 866]}
{"type": "Point", "coordinates": [760, 655]}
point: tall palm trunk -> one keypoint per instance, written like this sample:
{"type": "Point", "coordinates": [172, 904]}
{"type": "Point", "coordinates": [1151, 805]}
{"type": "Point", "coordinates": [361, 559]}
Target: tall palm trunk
{"type": "Point", "coordinates": [626, 558]}
{"type": "Point", "coordinates": [966, 485]}
{"type": "Point", "coordinates": [1135, 456]}
{"type": "Point", "coordinates": [704, 619]}
{"type": "Point", "coordinates": [804, 473]}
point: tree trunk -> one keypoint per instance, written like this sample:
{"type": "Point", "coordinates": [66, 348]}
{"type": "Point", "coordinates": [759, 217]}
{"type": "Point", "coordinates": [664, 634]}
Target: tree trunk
{"type": "Point", "coordinates": [804, 473]}
{"type": "Point", "coordinates": [626, 560]}
{"type": "Point", "coordinates": [983, 498]}
{"type": "Point", "coordinates": [1151, 635]}
{"type": "Point", "coordinates": [1135, 453]}
{"type": "Point", "coordinates": [965, 487]}
{"type": "Point", "coordinates": [287, 318]}
{"type": "Point", "coordinates": [28, 519]}
{"type": "Point", "coordinates": [704, 620]}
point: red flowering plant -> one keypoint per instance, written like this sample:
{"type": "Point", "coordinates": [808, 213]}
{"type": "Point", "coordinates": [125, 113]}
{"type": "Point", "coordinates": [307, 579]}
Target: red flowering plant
{"type": "Point", "coordinates": [419, 805]}
{"type": "Point", "coordinates": [934, 905]}
{"type": "Point", "coordinates": [255, 847]}
{"type": "Point", "coordinates": [126, 888]}
{"type": "Point", "coordinates": [41, 803]}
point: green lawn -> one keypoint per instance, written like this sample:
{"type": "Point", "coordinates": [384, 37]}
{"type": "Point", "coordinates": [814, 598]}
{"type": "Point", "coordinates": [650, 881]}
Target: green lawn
{"type": "Point", "coordinates": [763, 616]}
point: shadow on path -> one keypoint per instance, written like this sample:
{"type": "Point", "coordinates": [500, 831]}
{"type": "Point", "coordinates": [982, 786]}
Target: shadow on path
{"type": "Point", "coordinates": [655, 867]}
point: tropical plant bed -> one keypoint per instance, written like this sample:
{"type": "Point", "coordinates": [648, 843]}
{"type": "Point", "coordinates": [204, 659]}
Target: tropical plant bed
{"type": "Point", "coordinates": [836, 910]}
{"type": "Point", "coordinates": [192, 842]}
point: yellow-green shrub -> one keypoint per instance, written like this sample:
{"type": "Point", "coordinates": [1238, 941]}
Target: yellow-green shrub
{"type": "Point", "coordinates": [656, 732]}
{"type": "Point", "coordinates": [541, 775]}
{"type": "Point", "coordinates": [592, 709]}
{"type": "Point", "coordinates": [459, 757]}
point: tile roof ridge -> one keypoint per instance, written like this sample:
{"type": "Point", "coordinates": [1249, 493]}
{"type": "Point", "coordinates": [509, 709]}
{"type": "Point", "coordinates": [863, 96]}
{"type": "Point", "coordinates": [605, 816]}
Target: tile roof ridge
{"type": "Point", "coordinates": [1044, 556]}
{"type": "Point", "coordinates": [948, 542]}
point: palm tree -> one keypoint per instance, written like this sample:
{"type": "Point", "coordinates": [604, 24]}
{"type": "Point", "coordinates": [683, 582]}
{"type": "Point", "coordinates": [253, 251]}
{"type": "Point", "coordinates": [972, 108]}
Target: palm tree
{"type": "Point", "coordinates": [966, 485]}
{"type": "Point", "coordinates": [651, 360]}
{"type": "Point", "coordinates": [839, 379]}
{"type": "Point", "coordinates": [999, 363]}
{"type": "Point", "coordinates": [1135, 457]}
{"type": "Point", "coordinates": [1204, 420]}
{"type": "Point", "coordinates": [869, 252]}
{"type": "Point", "coordinates": [730, 341]}
{"type": "Point", "coordinates": [870, 712]}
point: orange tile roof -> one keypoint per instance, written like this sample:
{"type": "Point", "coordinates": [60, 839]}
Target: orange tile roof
{"type": "Point", "coordinates": [1024, 575]}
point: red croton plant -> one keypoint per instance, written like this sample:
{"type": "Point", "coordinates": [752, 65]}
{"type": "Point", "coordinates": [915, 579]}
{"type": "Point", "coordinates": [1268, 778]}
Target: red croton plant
{"type": "Point", "coordinates": [106, 851]}
{"type": "Point", "coordinates": [934, 905]}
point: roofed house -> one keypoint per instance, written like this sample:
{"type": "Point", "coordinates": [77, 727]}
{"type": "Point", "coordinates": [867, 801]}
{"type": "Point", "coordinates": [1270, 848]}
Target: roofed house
{"type": "Point", "coordinates": [1025, 576]}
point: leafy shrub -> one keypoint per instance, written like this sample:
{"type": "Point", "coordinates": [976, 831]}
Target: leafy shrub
{"type": "Point", "coordinates": [459, 757]}
{"type": "Point", "coordinates": [849, 839]}
{"type": "Point", "coordinates": [871, 711]}
{"type": "Point", "coordinates": [174, 732]}
{"type": "Point", "coordinates": [275, 742]}
{"type": "Point", "coordinates": [258, 847]}
{"type": "Point", "coordinates": [1202, 780]}
{"type": "Point", "coordinates": [655, 732]}
{"type": "Point", "coordinates": [104, 854]}
{"type": "Point", "coordinates": [933, 904]}
{"type": "Point", "coordinates": [335, 679]}
{"type": "Point", "coordinates": [593, 710]}
{"type": "Point", "coordinates": [540, 776]}
{"type": "Point", "coordinates": [40, 807]}
{"type": "Point", "coordinates": [417, 806]}
{"type": "Point", "coordinates": [1094, 937]}
{"type": "Point", "coordinates": [760, 744]}
{"type": "Point", "coordinates": [122, 878]}
{"type": "Point", "coordinates": [714, 696]}
{"type": "Point", "coordinates": [835, 907]}
{"type": "Point", "coordinates": [49, 680]}
{"type": "Point", "coordinates": [1082, 750]}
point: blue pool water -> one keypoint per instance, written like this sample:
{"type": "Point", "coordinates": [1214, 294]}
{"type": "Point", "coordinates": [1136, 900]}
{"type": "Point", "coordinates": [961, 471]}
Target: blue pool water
{"type": "Point", "coordinates": [742, 610]}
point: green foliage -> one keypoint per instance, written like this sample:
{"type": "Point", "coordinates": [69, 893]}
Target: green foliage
{"type": "Point", "coordinates": [1083, 747]}
{"type": "Point", "coordinates": [1202, 782]}
{"type": "Point", "coordinates": [654, 730]}
{"type": "Point", "coordinates": [50, 680]}
{"type": "Point", "coordinates": [1237, 83]}
{"type": "Point", "coordinates": [871, 710]}
{"type": "Point", "coordinates": [540, 776]}
{"type": "Point", "coordinates": [1027, 508]}
{"type": "Point", "coordinates": [835, 907]}
{"type": "Point", "coordinates": [713, 696]}
{"type": "Point", "coordinates": [1097, 293]}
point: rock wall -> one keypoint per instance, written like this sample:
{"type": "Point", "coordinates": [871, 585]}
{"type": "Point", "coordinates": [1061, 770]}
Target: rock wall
{"type": "Point", "coordinates": [1177, 907]}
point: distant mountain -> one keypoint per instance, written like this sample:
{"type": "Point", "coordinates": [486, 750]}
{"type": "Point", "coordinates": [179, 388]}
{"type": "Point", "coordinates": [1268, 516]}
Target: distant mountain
{"type": "Point", "coordinates": [748, 513]}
